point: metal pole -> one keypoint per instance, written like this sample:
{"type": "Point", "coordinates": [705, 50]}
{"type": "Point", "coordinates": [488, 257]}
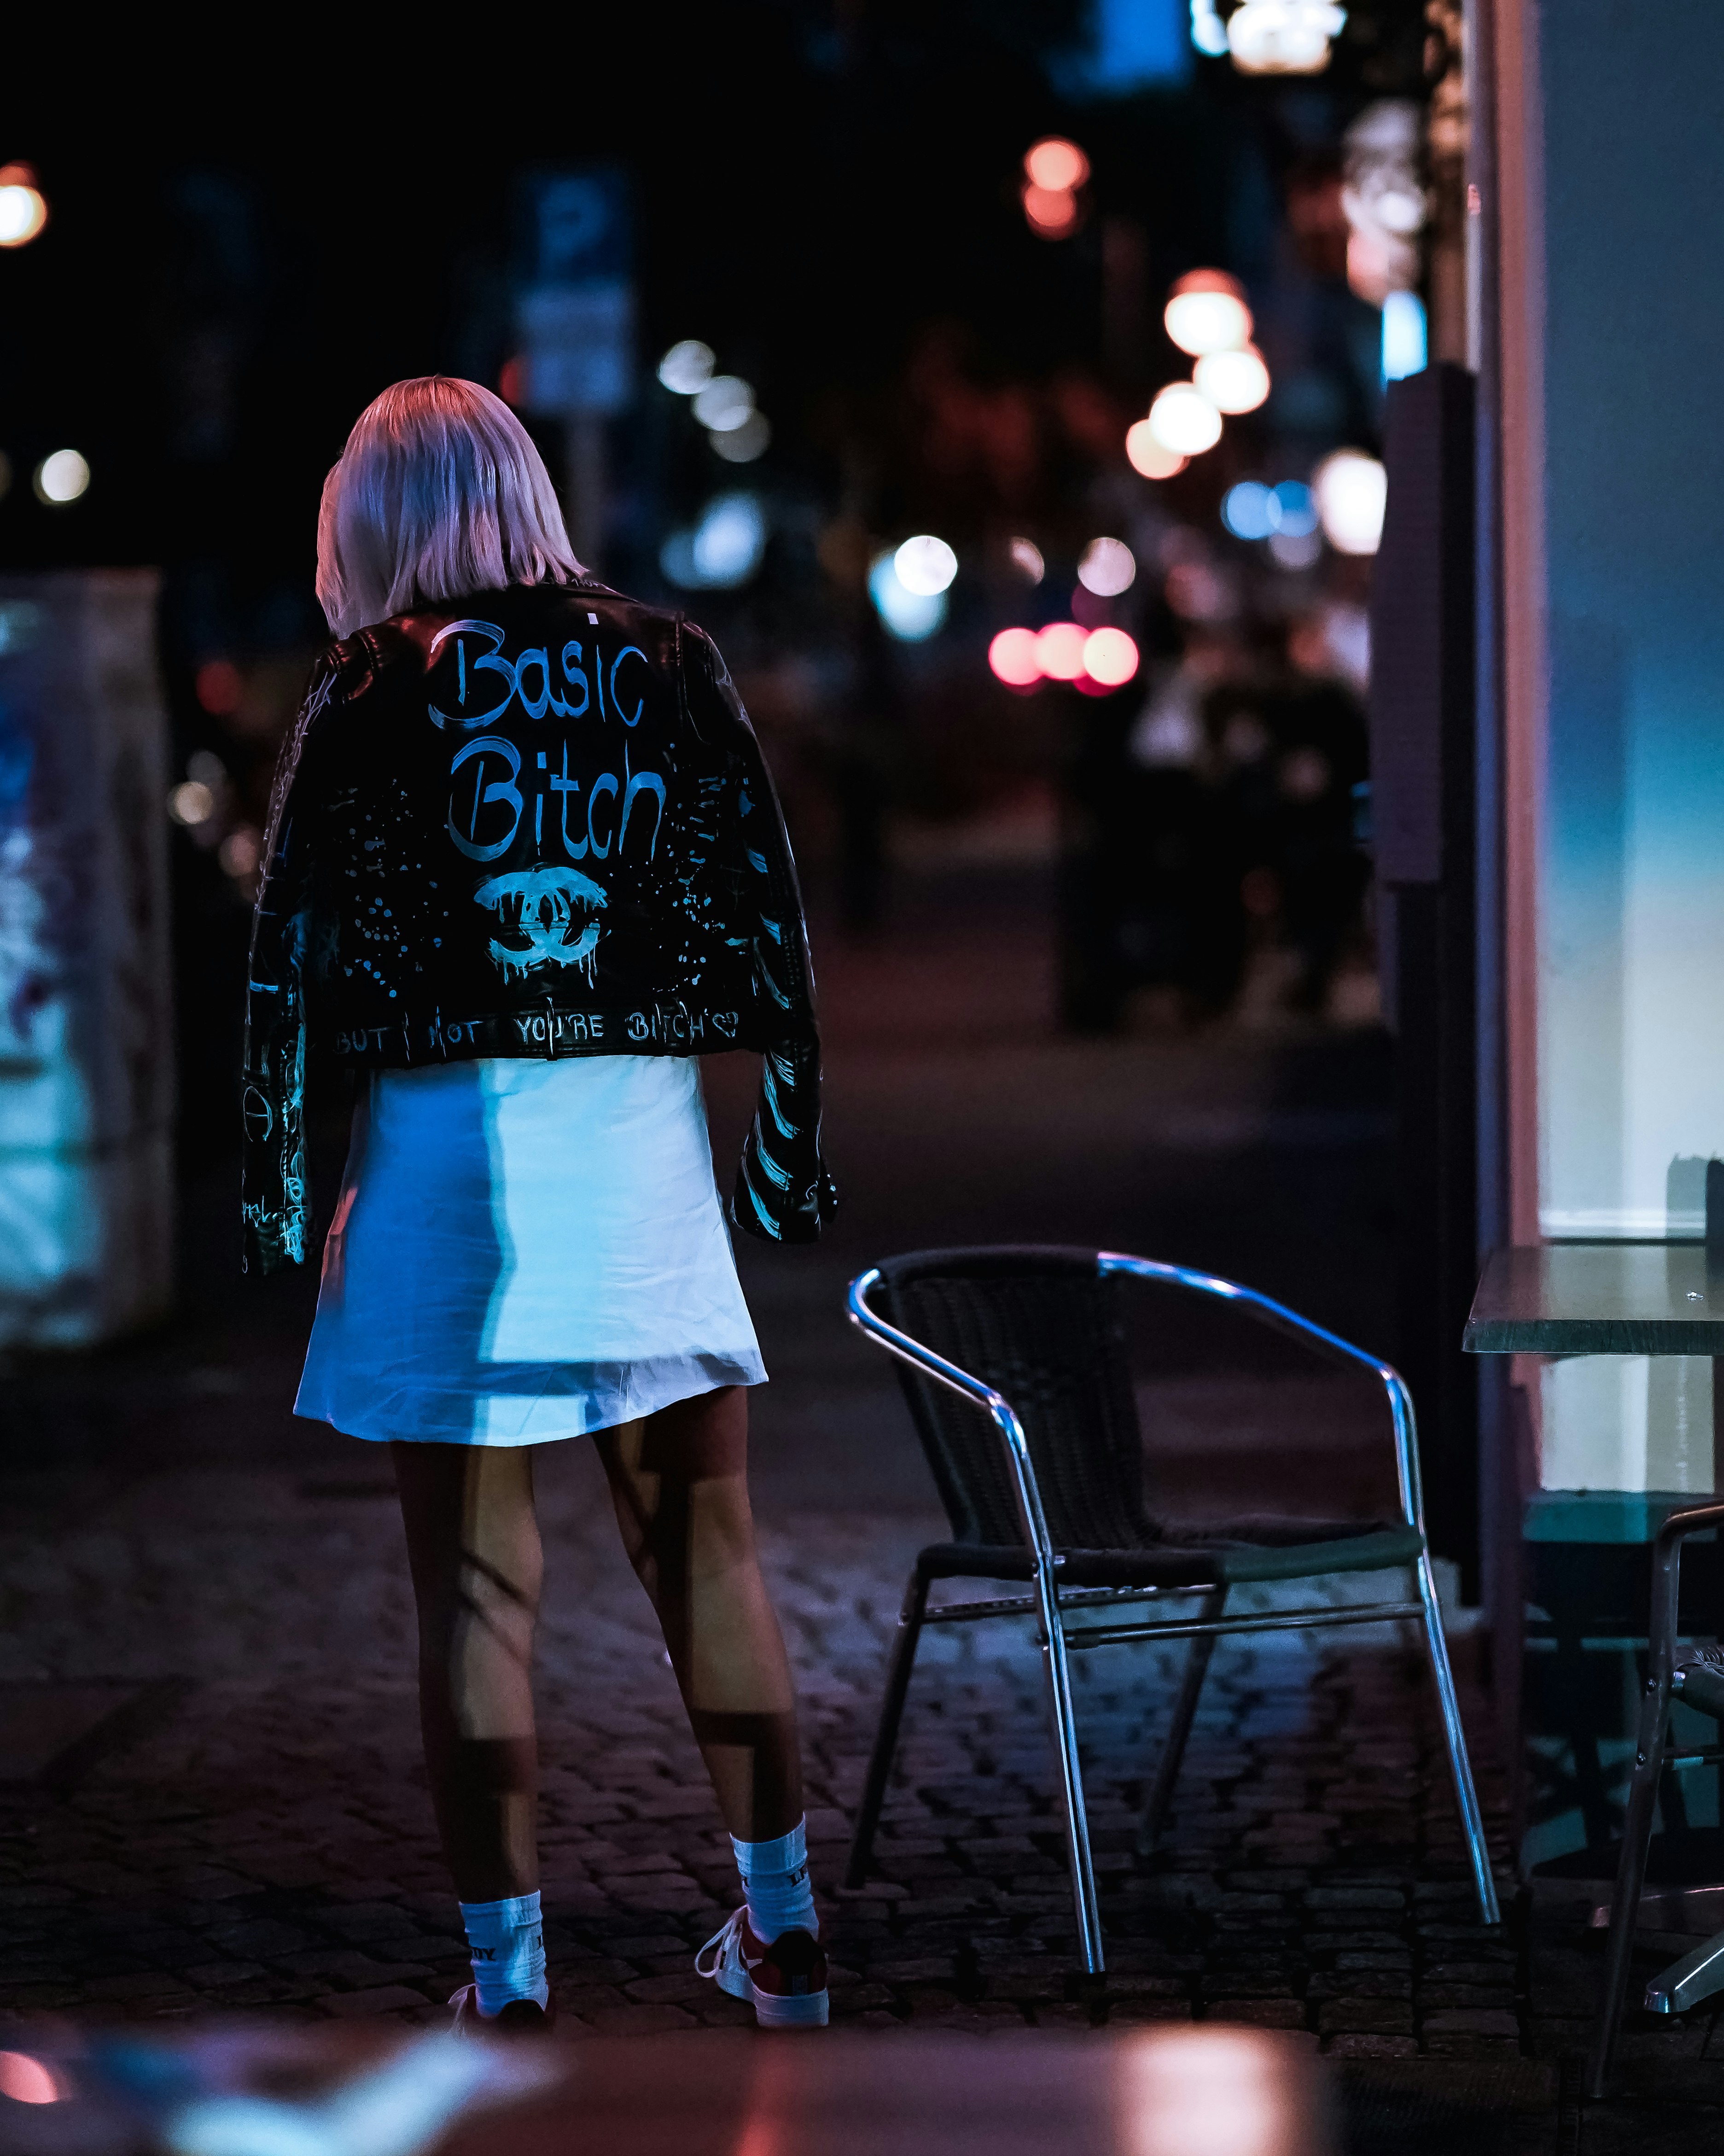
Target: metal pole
{"type": "Point", "coordinates": [586, 489]}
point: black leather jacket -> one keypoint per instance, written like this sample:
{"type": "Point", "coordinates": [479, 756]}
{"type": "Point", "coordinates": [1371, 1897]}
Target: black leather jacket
{"type": "Point", "coordinates": [532, 822]}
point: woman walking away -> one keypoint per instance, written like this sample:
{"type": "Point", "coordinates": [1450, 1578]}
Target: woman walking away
{"type": "Point", "coordinates": [525, 864]}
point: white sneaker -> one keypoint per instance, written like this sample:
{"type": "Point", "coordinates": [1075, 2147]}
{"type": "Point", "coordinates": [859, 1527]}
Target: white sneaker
{"type": "Point", "coordinates": [786, 1980]}
{"type": "Point", "coordinates": [520, 2017]}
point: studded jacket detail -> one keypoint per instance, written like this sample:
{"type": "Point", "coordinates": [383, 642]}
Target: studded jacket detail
{"type": "Point", "coordinates": [530, 823]}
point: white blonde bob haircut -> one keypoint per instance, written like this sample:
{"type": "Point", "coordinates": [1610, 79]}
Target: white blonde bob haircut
{"type": "Point", "coordinates": [439, 492]}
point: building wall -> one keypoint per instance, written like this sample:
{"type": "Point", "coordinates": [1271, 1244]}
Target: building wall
{"type": "Point", "coordinates": [1632, 1061]}
{"type": "Point", "coordinates": [1630, 875]}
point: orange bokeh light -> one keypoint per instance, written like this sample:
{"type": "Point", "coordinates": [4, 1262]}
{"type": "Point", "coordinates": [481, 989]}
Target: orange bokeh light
{"type": "Point", "coordinates": [1146, 454]}
{"type": "Point", "coordinates": [1056, 164]}
{"type": "Point", "coordinates": [1013, 659]}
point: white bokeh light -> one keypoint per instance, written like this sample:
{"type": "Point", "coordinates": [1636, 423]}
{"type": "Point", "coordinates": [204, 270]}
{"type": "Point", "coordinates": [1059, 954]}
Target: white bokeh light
{"type": "Point", "coordinates": [1283, 37]}
{"type": "Point", "coordinates": [1108, 568]}
{"type": "Point", "coordinates": [1207, 313]}
{"type": "Point", "coordinates": [743, 445]}
{"type": "Point", "coordinates": [724, 402]}
{"type": "Point", "coordinates": [687, 366]}
{"type": "Point", "coordinates": [1234, 381]}
{"type": "Point", "coordinates": [22, 213]}
{"type": "Point", "coordinates": [1184, 420]}
{"type": "Point", "coordinates": [1352, 492]}
{"type": "Point", "coordinates": [62, 477]}
{"type": "Point", "coordinates": [925, 565]}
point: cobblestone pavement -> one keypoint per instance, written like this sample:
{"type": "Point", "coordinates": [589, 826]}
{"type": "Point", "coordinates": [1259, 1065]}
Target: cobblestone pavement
{"type": "Point", "coordinates": [264, 1838]}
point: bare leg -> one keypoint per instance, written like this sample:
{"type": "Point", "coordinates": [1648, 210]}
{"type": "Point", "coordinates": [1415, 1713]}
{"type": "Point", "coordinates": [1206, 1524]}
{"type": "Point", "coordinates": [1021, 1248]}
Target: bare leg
{"type": "Point", "coordinates": [473, 1545]}
{"type": "Point", "coordinates": [679, 1480]}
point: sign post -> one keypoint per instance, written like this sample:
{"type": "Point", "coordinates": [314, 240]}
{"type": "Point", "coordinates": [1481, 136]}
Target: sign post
{"type": "Point", "coordinates": [575, 317]}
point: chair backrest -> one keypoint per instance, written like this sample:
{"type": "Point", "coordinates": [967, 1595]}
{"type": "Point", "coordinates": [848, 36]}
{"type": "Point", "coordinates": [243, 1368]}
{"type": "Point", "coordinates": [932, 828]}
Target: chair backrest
{"type": "Point", "coordinates": [1043, 1327]}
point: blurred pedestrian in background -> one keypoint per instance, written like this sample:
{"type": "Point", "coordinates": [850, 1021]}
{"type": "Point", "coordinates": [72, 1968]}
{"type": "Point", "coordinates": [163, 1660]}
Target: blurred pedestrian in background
{"type": "Point", "coordinates": [1214, 820]}
{"type": "Point", "coordinates": [1322, 755]}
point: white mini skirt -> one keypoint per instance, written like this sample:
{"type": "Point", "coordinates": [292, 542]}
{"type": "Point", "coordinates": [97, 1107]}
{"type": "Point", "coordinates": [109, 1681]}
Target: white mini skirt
{"type": "Point", "coordinates": [526, 1250]}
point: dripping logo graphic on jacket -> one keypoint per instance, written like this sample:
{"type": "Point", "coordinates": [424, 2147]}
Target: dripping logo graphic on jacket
{"type": "Point", "coordinates": [534, 822]}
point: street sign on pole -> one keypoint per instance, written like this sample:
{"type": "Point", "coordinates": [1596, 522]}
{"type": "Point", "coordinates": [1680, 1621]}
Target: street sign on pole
{"type": "Point", "coordinates": [575, 313]}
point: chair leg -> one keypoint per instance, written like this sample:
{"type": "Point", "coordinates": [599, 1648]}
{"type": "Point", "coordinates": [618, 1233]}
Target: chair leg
{"type": "Point", "coordinates": [1630, 1878]}
{"type": "Point", "coordinates": [1077, 1819]}
{"type": "Point", "coordinates": [885, 1736]}
{"type": "Point", "coordinates": [1467, 1797]}
{"type": "Point", "coordinates": [1185, 1708]}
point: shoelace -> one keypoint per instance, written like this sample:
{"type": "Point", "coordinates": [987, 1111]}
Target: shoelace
{"type": "Point", "coordinates": [731, 1930]}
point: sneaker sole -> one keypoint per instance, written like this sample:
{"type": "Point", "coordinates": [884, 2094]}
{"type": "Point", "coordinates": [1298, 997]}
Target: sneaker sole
{"type": "Point", "coordinates": [771, 2011]}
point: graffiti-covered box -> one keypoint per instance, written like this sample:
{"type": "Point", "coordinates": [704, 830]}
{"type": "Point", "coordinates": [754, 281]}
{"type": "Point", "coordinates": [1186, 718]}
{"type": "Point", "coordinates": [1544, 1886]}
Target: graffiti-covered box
{"type": "Point", "coordinates": [86, 1078]}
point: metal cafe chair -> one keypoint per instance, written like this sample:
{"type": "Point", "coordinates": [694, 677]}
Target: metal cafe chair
{"type": "Point", "coordinates": [1697, 1679]}
{"type": "Point", "coordinates": [1014, 1367]}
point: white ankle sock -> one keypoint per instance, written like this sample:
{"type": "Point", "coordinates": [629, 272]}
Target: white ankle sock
{"type": "Point", "coordinates": [508, 1946]}
{"type": "Point", "coordinates": [775, 1878]}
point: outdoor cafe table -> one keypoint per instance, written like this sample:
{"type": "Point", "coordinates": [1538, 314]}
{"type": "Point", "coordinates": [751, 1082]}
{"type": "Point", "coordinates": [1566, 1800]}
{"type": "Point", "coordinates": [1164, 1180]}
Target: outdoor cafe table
{"type": "Point", "coordinates": [1599, 1299]}
{"type": "Point", "coordinates": [1610, 1299]}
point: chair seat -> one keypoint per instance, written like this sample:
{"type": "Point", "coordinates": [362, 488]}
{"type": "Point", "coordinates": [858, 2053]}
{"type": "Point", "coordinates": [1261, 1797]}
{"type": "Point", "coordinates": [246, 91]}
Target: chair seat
{"type": "Point", "coordinates": [1278, 1549]}
{"type": "Point", "coordinates": [1702, 1682]}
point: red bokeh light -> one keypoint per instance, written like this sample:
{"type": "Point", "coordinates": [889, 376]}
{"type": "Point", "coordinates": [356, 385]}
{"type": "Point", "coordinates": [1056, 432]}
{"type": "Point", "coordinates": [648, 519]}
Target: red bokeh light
{"type": "Point", "coordinates": [1110, 657]}
{"type": "Point", "coordinates": [26, 2080]}
{"type": "Point", "coordinates": [1059, 651]}
{"type": "Point", "coordinates": [219, 686]}
{"type": "Point", "coordinates": [1013, 658]}
{"type": "Point", "coordinates": [1053, 212]}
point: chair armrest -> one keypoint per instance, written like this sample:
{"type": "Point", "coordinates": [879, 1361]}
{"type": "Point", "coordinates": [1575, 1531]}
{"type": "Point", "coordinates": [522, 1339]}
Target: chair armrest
{"type": "Point", "coordinates": [1695, 1520]}
{"type": "Point", "coordinates": [1663, 1619]}
{"type": "Point", "coordinates": [909, 1349]}
{"type": "Point", "coordinates": [1277, 1315]}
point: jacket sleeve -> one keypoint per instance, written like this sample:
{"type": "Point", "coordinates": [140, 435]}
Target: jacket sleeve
{"type": "Point", "coordinates": [275, 1172]}
{"type": "Point", "coordinates": [784, 1192]}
